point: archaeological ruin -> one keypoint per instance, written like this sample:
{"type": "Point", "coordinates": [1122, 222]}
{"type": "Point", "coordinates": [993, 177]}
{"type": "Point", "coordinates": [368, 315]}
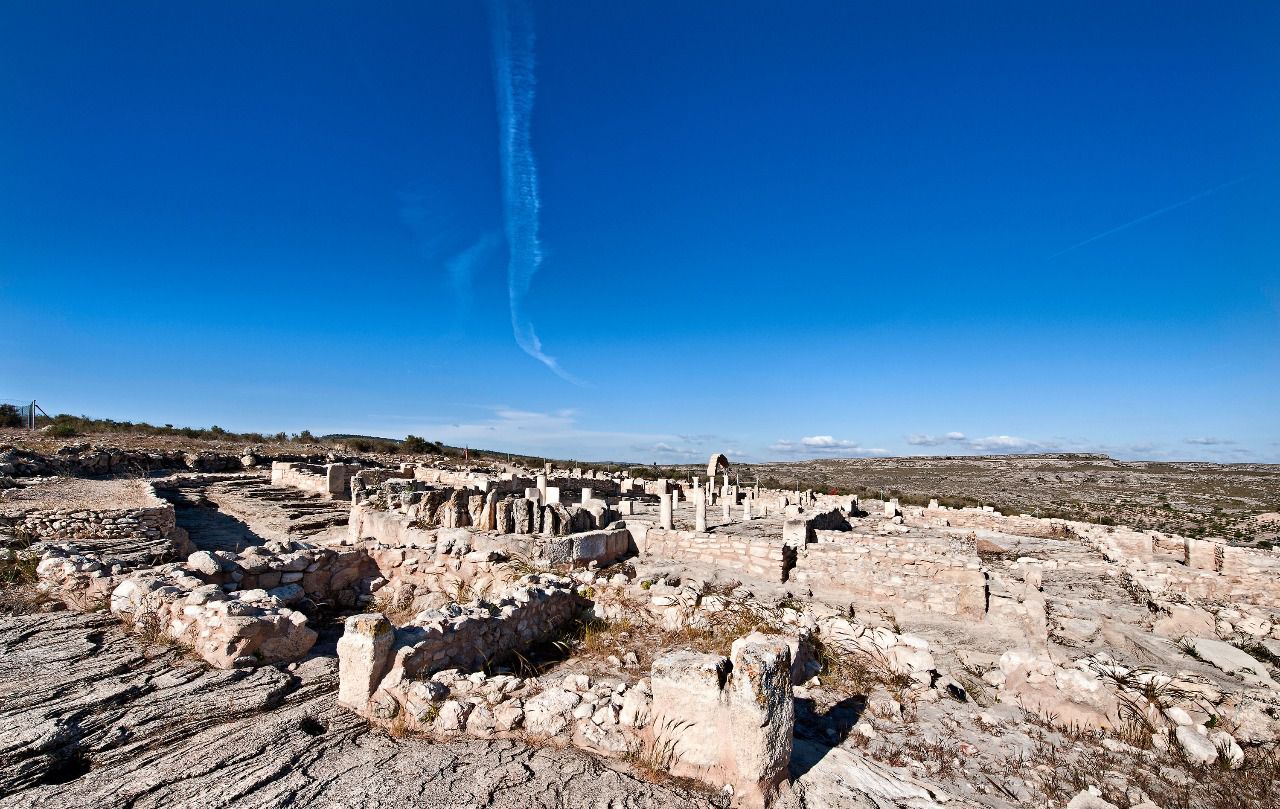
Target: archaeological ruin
{"type": "Point", "coordinates": [775, 646]}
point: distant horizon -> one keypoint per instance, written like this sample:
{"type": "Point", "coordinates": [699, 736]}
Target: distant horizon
{"type": "Point", "coordinates": [814, 229]}
{"type": "Point", "coordinates": [341, 434]}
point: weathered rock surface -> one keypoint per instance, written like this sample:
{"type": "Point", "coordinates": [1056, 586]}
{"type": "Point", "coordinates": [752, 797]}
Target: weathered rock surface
{"type": "Point", "coordinates": [88, 720]}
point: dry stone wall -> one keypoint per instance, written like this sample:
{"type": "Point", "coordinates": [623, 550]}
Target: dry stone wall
{"type": "Point", "coordinates": [769, 559]}
{"type": "Point", "coordinates": [378, 663]}
{"type": "Point", "coordinates": [329, 480]}
{"type": "Point", "coordinates": [155, 520]}
{"type": "Point", "coordinates": [937, 576]}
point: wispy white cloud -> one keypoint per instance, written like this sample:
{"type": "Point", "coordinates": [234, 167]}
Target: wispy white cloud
{"type": "Point", "coordinates": [662, 449]}
{"type": "Point", "coordinates": [516, 84]}
{"type": "Point", "coordinates": [462, 268]}
{"type": "Point", "coordinates": [440, 244]}
{"type": "Point", "coordinates": [553, 433]}
{"type": "Point", "coordinates": [1208, 441]}
{"type": "Point", "coordinates": [822, 445]}
{"type": "Point", "coordinates": [926, 440]}
{"type": "Point", "coordinates": [1005, 443]}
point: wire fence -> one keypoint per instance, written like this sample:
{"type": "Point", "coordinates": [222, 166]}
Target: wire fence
{"type": "Point", "coordinates": [19, 413]}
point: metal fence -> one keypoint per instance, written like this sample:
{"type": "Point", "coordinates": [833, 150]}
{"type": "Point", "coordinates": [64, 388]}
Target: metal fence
{"type": "Point", "coordinates": [26, 412]}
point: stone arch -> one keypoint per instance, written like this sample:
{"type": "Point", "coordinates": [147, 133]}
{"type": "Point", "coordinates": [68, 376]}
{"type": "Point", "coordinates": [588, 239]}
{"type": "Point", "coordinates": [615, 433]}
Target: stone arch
{"type": "Point", "coordinates": [718, 461]}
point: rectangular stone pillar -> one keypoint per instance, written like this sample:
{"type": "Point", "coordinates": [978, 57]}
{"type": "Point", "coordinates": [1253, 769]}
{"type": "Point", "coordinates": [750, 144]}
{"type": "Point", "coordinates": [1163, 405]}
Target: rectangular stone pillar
{"type": "Point", "coordinates": [553, 496]}
{"type": "Point", "coordinates": [586, 495]}
{"type": "Point", "coordinates": [1201, 554]}
{"type": "Point", "coordinates": [364, 652]}
{"type": "Point", "coordinates": [335, 478]}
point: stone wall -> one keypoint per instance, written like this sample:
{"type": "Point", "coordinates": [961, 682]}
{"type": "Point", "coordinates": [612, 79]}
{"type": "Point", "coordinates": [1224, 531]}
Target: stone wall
{"type": "Point", "coordinates": [366, 480]}
{"type": "Point", "coordinates": [153, 521]}
{"type": "Point", "coordinates": [601, 547]}
{"type": "Point", "coordinates": [393, 512]}
{"type": "Point", "coordinates": [769, 559]}
{"type": "Point", "coordinates": [329, 480]}
{"type": "Point", "coordinates": [1164, 565]}
{"type": "Point", "coordinates": [801, 529]}
{"type": "Point", "coordinates": [375, 660]}
{"type": "Point", "coordinates": [728, 720]}
{"type": "Point", "coordinates": [292, 570]}
{"type": "Point", "coordinates": [934, 575]}
{"type": "Point", "coordinates": [243, 628]}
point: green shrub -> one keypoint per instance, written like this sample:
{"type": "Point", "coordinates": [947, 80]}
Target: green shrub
{"type": "Point", "coordinates": [10, 417]}
{"type": "Point", "coordinates": [415, 445]}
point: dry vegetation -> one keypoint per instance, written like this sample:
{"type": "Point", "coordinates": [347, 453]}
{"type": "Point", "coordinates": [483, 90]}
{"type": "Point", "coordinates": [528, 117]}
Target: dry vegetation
{"type": "Point", "coordinates": [1188, 498]}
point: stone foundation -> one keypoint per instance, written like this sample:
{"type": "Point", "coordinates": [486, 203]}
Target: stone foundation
{"type": "Point", "coordinates": [466, 637]}
{"type": "Point", "coordinates": [153, 521]}
{"type": "Point", "coordinates": [329, 480]}
{"type": "Point", "coordinates": [767, 559]}
{"type": "Point", "coordinates": [938, 576]}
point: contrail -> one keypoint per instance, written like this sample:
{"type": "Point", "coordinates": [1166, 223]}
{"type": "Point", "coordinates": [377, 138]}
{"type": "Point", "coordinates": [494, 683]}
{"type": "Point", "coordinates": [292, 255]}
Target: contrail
{"type": "Point", "coordinates": [1154, 214]}
{"type": "Point", "coordinates": [513, 74]}
{"type": "Point", "coordinates": [461, 268]}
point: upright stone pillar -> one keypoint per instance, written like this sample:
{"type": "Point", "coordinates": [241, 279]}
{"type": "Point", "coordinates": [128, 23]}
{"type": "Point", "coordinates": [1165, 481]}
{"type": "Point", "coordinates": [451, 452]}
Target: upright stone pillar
{"type": "Point", "coordinates": [335, 475]}
{"type": "Point", "coordinates": [746, 507]}
{"type": "Point", "coordinates": [489, 514]}
{"type": "Point", "coordinates": [727, 516]}
{"type": "Point", "coordinates": [364, 653]}
{"type": "Point", "coordinates": [586, 494]}
{"type": "Point", "coordinates": [699, 513]}
{"type": "Point", "coordinates": [736, 716]}
{"type": "Point", "coordinates": [542, 488]}
{"type": "Point", "coordinates": [664, 511]}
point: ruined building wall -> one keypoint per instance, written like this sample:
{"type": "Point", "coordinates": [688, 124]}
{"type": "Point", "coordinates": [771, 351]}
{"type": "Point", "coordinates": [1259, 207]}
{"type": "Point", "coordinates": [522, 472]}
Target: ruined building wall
{"type": "Point", "coordinates": [155, 520]}
{"type": "Point", "coordinates": [330, 480]}
{"type": "Point", "coordinates": [376, 661]}
{"type": "Point", "coordinates": [767, 559]}
{"type": "Point", "coordinates": [925, 576]}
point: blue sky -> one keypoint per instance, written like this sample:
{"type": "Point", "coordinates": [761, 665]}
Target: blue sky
{"type": "Point", "coordinates": [780, 229]}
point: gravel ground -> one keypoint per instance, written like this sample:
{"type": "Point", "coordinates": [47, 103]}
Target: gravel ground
{"type": "Point", "coordinates": [75, 493]}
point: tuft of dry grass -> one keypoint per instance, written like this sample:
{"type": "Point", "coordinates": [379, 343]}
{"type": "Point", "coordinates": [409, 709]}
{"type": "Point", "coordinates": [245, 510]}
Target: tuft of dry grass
{"type": "Point", "coordinates": [19, 594]}
{"type": "Point", "coordinates": [396, 604]}
{"type": "Point", "coordinates": [1068, 763]}
{"type": "Point", "coordinates": [859, 671]}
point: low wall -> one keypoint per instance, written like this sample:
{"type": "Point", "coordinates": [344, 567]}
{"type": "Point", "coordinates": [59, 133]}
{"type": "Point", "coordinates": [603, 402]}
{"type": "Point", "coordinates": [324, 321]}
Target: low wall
{"type": "Point", "coordinates": [591, 546]}
{"type": "Point", "coordinates": [769, 559]}
{"type": "Point", "coordinates": [155, 520]}
{"type": "Point", "coordinates": [373, 656]}
{"type": "Point", "coordinates": [330, 480]}
{"type": "Point", "coordinates": [338, 577]}
{"type": "Point", "coordinates": [927, 576]}
{"type": "Point", "coordinates": [803, 528]}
